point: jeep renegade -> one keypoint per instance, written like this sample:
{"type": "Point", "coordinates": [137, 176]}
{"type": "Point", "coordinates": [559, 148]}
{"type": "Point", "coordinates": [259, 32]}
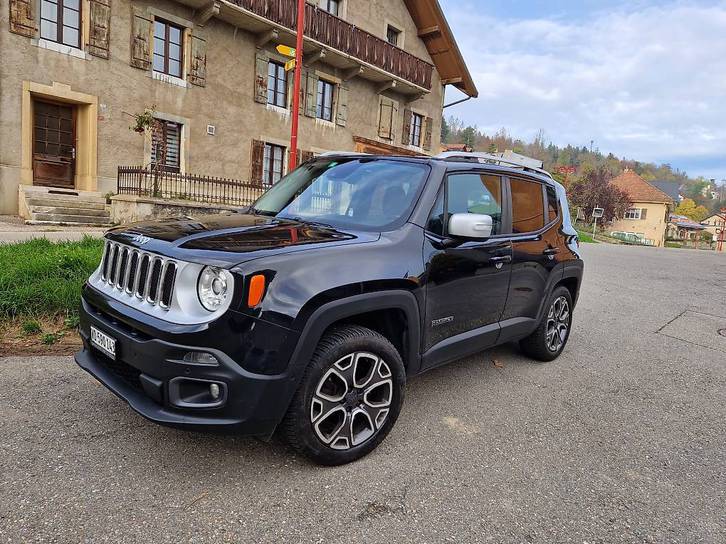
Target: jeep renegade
{"type": "Point", "coordinates": [307, 312]}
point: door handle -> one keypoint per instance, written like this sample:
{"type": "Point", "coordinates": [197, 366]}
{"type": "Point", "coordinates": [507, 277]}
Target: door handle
{"type": "Point", "coordinates": [501, 260]}
{"type": "Point", "coordinates": [551, 251]}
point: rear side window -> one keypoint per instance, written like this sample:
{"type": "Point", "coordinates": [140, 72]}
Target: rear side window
{"type": "Point", "coordinates": [552, 204]}
{"type": "Point", "coordinates": [528, 212]}
{"type": "Point", "coordinates": [476, 193]}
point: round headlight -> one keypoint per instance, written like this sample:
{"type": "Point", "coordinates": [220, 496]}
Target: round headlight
{"type": "Point", "coordinates": [213, 288]}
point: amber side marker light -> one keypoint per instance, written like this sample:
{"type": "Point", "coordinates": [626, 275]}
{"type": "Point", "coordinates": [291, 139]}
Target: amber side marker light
{"type": "Point", "coordinates": [257, 290]}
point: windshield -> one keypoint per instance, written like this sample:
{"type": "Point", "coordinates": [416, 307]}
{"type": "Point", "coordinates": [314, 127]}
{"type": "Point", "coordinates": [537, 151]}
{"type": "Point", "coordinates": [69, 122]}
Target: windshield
{"type": "Point", "coordinates": [362, 193]}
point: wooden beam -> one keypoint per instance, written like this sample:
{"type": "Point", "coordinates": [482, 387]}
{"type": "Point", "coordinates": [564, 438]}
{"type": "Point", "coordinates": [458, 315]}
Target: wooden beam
{"type": "Point", "coordinates": [207, 12]}
{"type": "Point", "coordinates": [387, 86]}
{"type": "Point", "coordinates": [312, 58]}
{"type": "Point", "coordinates": [429, 31]}
{"type": "Point", "coordinates": [452, 81]}
{"type": "Point", "coordinates": [266, 37]}
{"type": "Point", "coordinates": [353, 73]}
{"type": "Point", "coordinates": [415, 98]}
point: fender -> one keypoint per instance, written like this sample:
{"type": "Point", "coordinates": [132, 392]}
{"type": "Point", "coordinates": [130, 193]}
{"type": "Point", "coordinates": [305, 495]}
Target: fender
{"type": "Point", "coordinates": [334, 311]}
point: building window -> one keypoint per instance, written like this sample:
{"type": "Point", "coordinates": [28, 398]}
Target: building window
{"type": "Point", "coordinates": [166, 145]}
{"type": "Point", "coordinates": [331, 6]}
{"type": "Point", "coordinates": [273, 164]}
{"type": "Point", "coordinates": [168, 55]}
{"type": "Point", "coordinates": [277, 84]}
{"type": "Point", "coordinates": [60, 21]}
{"type": "Point", "coordinates": [393, 35]}
{"type": "Point", "coordinates": [414, 136]}
{"type": "Point", "coordinates": [635, 213]}
{"type": "Point", "coordinates": [325, 101]}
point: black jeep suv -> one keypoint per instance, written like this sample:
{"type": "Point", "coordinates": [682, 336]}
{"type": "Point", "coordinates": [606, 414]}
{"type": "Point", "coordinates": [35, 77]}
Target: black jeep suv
{"type": "Point", "coordinates": [308, 312]}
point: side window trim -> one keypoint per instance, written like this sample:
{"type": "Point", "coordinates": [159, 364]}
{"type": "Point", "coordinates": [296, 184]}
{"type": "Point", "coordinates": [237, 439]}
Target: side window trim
{"type": "Point", "coordinates": [546, 197]}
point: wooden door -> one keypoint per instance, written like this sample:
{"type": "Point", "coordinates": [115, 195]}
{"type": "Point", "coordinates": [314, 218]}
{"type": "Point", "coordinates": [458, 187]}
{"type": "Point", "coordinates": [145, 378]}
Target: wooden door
{"type": "Point", "coordinates": [54, 144]}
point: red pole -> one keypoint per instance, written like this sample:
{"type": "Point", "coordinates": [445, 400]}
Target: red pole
{"type": "Point", "coordinates": [296, 86]}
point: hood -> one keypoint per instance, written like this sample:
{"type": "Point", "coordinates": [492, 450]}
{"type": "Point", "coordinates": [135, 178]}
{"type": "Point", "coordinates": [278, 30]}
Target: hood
{"type": "Point", "coordinates": [230, 238]}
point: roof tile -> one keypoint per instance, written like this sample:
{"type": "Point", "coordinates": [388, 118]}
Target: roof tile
{"type": "Point", "coordinates": [638, 189]}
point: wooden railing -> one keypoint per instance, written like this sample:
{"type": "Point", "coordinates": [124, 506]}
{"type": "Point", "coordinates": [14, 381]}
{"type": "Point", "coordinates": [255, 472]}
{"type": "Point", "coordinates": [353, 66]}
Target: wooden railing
{"type": "Point", "coordinates": [338, 34]}
{"type": "Point", "coordinates": [140, 181]}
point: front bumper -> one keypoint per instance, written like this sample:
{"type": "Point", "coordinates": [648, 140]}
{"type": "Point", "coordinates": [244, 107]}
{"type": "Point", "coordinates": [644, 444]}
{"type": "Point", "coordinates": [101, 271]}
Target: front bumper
{"type": "Point", "coordinates": [145, 366]}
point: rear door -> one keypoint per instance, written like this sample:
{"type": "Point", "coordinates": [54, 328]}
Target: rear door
{"type": "Point", "coordinates": [467, 281]}
{"type": "Point", "coordinates": [536, 251]}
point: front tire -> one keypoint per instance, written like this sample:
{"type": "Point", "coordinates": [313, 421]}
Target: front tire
{"type": "Point", "coordinates": [349, 398]}
{"type": "Point", "coordinates": [548, 341]}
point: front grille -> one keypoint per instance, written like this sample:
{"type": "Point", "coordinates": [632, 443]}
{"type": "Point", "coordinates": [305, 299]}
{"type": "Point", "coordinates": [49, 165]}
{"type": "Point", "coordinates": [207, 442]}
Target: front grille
{"type": "Point", "coordinates": [148, 277]}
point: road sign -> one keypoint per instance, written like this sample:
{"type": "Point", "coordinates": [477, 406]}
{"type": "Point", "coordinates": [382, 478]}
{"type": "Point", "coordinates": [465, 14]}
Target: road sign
{"type": "Point", "coordinates": [285, 50]}
{"type": "Point", "coordinates": [597, 213]}
{"type": "Point", "coordinates": [290, 65]}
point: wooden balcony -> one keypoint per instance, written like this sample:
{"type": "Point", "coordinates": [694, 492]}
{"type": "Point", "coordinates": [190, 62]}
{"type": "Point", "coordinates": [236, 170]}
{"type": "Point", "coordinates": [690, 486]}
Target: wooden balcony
{"type": "Point", "coordinates": [342, 44]}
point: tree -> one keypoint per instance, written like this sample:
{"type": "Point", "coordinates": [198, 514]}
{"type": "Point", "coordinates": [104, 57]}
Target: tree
{"type": "Point", "coordinates": [690, 209]}
{"type": "Point", "coordinates": [445, 131]}
{"type": "Point", "coordinates": [594, 190]}
{"type": "Point", "coordinates": [468, 136]}
{"type": "Point", "coordinates": [492, 148]}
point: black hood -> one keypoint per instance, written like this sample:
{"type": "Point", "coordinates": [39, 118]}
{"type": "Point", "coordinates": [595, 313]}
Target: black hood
{"type": "Point", "coordinates": [230, 238]}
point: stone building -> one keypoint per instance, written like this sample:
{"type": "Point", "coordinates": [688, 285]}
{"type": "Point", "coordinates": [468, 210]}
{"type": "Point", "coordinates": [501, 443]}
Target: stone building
{"type": "Point", "coordinates": [74, 73]}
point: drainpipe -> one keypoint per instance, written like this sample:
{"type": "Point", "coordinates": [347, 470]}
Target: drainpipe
{"type": "Point", "coordinates": [458, 102]}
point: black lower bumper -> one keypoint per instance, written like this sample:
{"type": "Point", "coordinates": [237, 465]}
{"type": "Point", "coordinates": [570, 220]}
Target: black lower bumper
{"type": "Point", "coordinates": [145, 367]}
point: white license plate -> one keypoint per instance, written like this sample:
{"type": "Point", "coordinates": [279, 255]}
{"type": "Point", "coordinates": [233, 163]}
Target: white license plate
{"type": "Point", "coordinates": [103, 342]}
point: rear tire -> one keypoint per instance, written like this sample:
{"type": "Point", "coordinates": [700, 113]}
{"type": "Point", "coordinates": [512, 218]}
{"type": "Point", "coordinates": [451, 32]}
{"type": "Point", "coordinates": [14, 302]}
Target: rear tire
{"type": "Point", "coordinates": [349, 398]}
{"type": "Point", "coordinates": [548, 341]}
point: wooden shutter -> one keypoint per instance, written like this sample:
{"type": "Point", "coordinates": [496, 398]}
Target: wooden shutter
{"type": "Point", "coordinates": [140, 39]}
{"type": "Point", "coordinates": [290, 165]}
{"type": "Point", "coordinates": [311, 95]}
{"type": "Point", "coordinates": [258, 157]}
{"type": "Point", "coordinates": [262, 61]}
{"type": "Point", "coordinates": [406, 134]}
{"type": "Point", "coordinates": [643, 213]}
{"type": "Point", "coordinates": [100, 23]}
{"type": "Point", "coordinates": [388, 109]}
{"type": "Point", "coordinates": [22, 17]}
{"type": "Point", "coordinates": [198, 62]}
{"type": "Point", "coordinates": [428, 133]}
{"type": "Point", "coordinates": [341, 118]}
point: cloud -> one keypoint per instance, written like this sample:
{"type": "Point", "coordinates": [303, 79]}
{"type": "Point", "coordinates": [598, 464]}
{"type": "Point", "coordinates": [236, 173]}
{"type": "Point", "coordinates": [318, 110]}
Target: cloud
{"type": "Point", "coordinates": [645, 82]}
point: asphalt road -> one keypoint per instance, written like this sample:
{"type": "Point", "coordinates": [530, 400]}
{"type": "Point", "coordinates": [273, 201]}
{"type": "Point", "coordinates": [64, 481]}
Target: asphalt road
{"type": "Point", "coordinates": [623, 439]}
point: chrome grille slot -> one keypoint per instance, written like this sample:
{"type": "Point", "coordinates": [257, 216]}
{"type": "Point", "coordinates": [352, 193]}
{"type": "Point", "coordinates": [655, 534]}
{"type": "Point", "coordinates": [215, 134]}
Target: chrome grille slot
{"type": "Point", "coordinates": [141, 276]}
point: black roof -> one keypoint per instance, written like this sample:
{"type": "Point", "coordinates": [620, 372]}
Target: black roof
{"type": "Point", "coordinates": [671, 188]}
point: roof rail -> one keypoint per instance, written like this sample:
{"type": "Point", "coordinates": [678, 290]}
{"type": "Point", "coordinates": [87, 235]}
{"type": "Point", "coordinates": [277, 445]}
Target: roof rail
{"type": "Point", "coordinates": [488, 158]}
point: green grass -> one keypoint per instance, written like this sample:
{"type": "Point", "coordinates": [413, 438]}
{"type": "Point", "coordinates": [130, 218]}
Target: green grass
{"type": "Point", "coordinates": [585, 237]}
{"type": "Point", "coordinates": [42, 278]}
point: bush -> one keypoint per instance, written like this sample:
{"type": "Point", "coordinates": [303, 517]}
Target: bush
{"type": "Point", "coordinates": [39, 277]}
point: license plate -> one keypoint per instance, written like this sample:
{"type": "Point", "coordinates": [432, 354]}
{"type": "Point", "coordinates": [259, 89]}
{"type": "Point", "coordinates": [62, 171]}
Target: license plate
{"type": "Point", "coordinates": [103, 342]}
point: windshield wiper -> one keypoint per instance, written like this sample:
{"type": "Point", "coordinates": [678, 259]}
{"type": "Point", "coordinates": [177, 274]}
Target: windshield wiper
{"type": "Point", "coordinates": [309, 221]}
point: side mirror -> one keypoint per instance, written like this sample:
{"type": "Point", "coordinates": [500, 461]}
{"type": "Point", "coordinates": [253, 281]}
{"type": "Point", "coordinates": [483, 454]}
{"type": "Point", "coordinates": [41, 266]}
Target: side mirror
{"type": "Point", "coordinates": [470, 225]}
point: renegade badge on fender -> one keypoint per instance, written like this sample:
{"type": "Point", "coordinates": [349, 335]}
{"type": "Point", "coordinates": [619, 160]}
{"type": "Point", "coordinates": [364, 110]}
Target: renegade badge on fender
{"type": "Point", "coordinates": [308, 312]}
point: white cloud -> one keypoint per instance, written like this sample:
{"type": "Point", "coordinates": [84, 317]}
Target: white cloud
{"type": "Point", "coordinates": [648, 84]}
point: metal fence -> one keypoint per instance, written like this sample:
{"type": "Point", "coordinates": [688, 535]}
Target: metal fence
{"type": "Point", "coordinates": [140, 181]}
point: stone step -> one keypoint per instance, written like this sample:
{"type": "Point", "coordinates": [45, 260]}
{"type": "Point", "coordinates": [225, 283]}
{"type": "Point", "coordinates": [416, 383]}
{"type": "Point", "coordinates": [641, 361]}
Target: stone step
{"type": "Point", "coordinates": [91, 198]}
{"type": "Point", "coordinates": [70, 210]}
{"type": "Point", "coordinates": [65, 203]}
{"type": "Point", "coordinates": [65, 219]}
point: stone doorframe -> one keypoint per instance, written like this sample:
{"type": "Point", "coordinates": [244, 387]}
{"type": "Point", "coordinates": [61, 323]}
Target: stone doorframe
{"type": "Point", "coordinates": [86, 176]}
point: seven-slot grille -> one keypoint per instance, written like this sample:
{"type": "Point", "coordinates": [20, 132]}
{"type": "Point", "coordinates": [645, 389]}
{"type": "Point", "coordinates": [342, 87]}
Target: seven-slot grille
{"type": "Point", "coordinates": [143, 275]}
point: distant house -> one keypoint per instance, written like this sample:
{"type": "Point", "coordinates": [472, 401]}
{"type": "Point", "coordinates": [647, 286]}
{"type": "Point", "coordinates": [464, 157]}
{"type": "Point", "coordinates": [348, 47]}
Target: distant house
{"type": "Point", "coordinates": [714, 224]}
{"type": "Point", "coordinates": [651, 208]}
{"type": "Point", "coordinates": [465, 148]}
{"type": "Point", "coordinates": [681, 227]}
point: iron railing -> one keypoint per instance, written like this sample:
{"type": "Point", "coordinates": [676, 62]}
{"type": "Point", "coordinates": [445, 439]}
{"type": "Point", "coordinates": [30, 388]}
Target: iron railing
{"type": "Point", "coordinates": [140, 181]}
{"type": "Point", "coordinates": [340, 35]}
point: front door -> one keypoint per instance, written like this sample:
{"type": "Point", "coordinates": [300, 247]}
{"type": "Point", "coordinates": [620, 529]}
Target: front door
{"type": "Point", "coordinates": [54, 141]}
{"type": "Point", "coordinates": [467, 282]}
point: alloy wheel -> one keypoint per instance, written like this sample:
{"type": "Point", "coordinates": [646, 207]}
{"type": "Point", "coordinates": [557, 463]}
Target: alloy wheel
{"type": "Point", "coordinates": [352, 400]}
{"type": "Point", "coordinates": [558, 324]}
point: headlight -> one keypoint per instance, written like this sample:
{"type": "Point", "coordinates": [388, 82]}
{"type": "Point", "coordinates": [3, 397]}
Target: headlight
{"type": "Point", "coordinates": [213, 287]}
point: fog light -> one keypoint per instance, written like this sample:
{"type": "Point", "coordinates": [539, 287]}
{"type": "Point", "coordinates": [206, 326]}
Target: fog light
{"type": "Point", "coordinates": [214, 391]}
{"type": "Point", "coordinates": [199, 358]}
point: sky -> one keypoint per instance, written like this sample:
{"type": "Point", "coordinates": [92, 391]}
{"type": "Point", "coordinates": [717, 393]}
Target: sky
{"type": "Point", "coordinates": [645, 80]}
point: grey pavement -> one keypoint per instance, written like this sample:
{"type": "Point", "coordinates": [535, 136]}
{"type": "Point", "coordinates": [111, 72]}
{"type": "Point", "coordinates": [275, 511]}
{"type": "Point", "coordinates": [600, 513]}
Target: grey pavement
{"type": "Point", "coordinates": [623, 439]}
{"type": "Point", "coordinates": [13, 229]}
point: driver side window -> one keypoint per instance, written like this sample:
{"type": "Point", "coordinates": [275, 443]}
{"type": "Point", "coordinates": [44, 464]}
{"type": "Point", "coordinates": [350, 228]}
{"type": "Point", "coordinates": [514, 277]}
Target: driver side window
{"type": "Point", "coordinates": [476, 193]}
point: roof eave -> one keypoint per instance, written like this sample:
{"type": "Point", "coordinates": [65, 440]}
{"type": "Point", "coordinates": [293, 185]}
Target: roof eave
{"type": "Point", "coordinates": [427, 14]}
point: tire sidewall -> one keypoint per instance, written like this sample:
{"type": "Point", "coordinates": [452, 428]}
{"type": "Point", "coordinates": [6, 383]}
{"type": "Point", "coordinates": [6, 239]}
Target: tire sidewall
{"type": "Point", "coordinates": [557, 293]}
{"type": "Point", "coordinates": [312, 445]}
